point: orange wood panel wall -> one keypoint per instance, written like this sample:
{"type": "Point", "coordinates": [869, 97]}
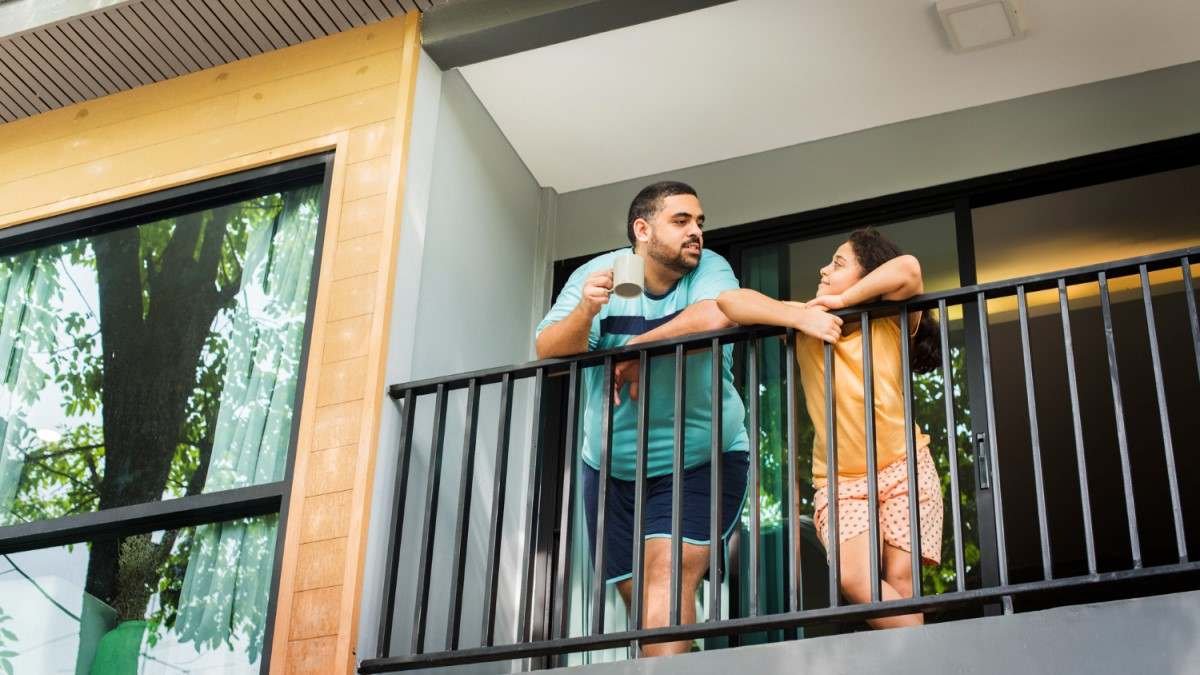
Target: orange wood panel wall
{"type": "Point", "coordinates": [350, 93]}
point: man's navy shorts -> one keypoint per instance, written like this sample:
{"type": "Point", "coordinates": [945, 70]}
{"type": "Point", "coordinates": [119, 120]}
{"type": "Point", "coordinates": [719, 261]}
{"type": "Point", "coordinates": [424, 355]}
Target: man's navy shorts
{"type": "Point", "coordinates": [618, 511]}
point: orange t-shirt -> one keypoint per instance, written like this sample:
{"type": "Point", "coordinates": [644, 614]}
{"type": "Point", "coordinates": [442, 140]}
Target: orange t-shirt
{"type": "Point", "coordinates": [890, 443]}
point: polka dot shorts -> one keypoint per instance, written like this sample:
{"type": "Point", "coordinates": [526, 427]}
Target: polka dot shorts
{"type": "Point", "coordinates": [893, 507]}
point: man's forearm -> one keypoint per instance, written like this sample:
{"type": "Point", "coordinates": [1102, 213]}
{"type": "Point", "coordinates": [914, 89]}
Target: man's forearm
{"type": "Point", "coordinates": [695, 318]}
{"type": "Point", "coordinates": [567, 337]}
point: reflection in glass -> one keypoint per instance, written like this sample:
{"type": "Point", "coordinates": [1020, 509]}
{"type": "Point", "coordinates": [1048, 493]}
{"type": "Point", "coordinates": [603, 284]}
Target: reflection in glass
{"type": "Point", "coordinates": [184, 601]}
{"type": "Point", "coordinates": [155, 361]}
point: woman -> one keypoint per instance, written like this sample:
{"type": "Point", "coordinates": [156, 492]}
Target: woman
{"type": "Point", "coordinates": [866, 268]}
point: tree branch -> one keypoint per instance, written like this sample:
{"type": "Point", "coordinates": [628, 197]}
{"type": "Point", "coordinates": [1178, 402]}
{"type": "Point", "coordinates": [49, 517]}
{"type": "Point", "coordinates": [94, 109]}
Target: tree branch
{"type": "Point", "coordinates": [30, 456]}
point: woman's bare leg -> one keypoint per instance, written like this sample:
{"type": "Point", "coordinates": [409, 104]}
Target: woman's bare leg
{"type": "Point", "coordinates": [856, 582]}
{"type": "Point", "coordinates": [897, 566]}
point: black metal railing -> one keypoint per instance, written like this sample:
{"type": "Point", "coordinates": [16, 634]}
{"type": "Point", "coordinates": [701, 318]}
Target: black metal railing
{"type": "Point", "coordinates": [541, 615]}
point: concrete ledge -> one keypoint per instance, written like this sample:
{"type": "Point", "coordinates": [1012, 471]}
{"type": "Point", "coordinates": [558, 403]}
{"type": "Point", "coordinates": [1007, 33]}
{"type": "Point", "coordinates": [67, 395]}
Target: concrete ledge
{"type": "Point", "coordinates": [1159, 634]}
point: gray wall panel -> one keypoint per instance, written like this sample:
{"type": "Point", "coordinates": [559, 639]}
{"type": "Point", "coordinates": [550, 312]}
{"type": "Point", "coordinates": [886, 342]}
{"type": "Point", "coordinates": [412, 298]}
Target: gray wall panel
{"type": "Point", "coordinates": [929, 151]}
{"type": "Point", "coordinates": [466, 279]}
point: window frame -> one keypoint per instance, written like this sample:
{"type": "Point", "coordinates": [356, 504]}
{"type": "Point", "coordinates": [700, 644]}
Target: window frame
{"type": "Point", "coordinates": [213, 507]}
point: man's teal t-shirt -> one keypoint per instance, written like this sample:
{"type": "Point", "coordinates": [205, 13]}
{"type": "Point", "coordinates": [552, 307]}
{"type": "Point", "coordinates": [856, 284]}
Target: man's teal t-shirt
{"type": "Point", "coordinates": [623, 319]}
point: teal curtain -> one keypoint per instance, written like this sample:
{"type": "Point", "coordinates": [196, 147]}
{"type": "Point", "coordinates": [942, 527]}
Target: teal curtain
{"type": "Point", "coordinates": [227, 583]}
{"type": "Point", "coordinates": [27, 282]}
{"type": "Point", "coordinates": [767, 270]}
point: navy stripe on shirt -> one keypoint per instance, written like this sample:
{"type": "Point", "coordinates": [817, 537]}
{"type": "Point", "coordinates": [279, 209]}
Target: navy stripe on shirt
{"type": "Point", "coordinates": [632, 325]}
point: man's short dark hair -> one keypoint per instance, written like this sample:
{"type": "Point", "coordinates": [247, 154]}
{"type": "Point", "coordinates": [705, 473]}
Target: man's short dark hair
{"type": "Point", "coordinates": [649, 201]}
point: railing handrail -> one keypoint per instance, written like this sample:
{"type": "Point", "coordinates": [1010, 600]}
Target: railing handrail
{"type": "Point", "coordinates": [990, 290]}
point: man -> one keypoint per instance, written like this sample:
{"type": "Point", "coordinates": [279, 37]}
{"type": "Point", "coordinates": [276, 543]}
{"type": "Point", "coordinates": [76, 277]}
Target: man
{"type": "Point", "coordinates": [682, 281]}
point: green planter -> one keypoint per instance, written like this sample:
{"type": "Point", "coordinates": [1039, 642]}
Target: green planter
{"type": "Point", "coordinates": [119, 650]}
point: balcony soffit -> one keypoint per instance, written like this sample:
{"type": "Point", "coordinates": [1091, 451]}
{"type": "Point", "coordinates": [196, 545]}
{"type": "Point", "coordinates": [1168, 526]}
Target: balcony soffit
{"type": "Point", "coordinates": [138, 42]}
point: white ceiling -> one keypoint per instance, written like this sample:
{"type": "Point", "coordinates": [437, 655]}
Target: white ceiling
{"type": "Point", "coordinates": [755, 75]}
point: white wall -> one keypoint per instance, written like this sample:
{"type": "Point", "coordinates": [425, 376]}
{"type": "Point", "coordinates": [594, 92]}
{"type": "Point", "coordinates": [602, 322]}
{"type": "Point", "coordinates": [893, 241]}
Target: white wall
{"type": "Point", "coordinates": [472, 245]}
{"type": "Point", "coordinates": [918, 153]}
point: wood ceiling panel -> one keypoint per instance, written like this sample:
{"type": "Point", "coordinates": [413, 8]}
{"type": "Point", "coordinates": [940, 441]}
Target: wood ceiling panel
{"type": "Point", "coordinates": [138, 42]}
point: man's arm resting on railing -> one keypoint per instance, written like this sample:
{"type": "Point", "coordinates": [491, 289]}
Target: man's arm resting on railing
{"type": "Point", "coordinates": [698, 317]}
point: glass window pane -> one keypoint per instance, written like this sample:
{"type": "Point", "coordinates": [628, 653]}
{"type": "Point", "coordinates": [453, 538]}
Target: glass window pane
{"type": "Point", "coordinates": [930, 238]}
{"type": "Point", "coordinates": [1089, 225]}
{"type": "Point", "coordinates": [154, 361]}
{"type": "Point", "coordinates": [190, 600]}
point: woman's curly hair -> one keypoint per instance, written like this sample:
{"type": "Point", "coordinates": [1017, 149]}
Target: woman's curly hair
{"type": "Point", "coordinates": [872, 250]}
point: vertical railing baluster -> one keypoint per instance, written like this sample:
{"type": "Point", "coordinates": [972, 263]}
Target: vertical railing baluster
{"type": "Point", "coordinates": [752, 488]}
{"type": "Point", "coordinates": [562, 566]}
{"type": "Point", "coordinates": [1163, 417]}
{"type": "Point", "coordinates": [1189, 293]}
{"type": "Point", "coordinates": [989, 396]}
{"type": "Point", "coordinates": [716, 543]}
{"type": "Point", "coordinates": [1135, 546]}
{"type": "Point", "coordinates": [952, 445]}
{"type": "Point", "coordinates": [910, 449]}
{"type": "Point", "coordinates": [677, 488]}
{"type": "Point", "coordinates": [458, 563]}
{"type": "Point", "coordinates": [1039, 482]}
{"type": "Point", "coordinates": [1193, 319]}
{"type": "Point", "coordinates": [872, 454]}
{"type": "Point", "coordinates": [598, 579]}
{"type": "Point", "coordinates": [795, 583]}
{"type": "Point", "coordinates": [1085, 500]}
{"type": "Point", "coordinates": [491, 578]}
{"type": "Point", "coordinates": [831, 477]}
{"type": "Point", "coordinates": [637, 608]}
{"type": "Point", "coordinates": [429, 533]}
{"type": "Point", "coordinates": [396, 529]}
{"type": "Point", "coordinates": [532, 483]}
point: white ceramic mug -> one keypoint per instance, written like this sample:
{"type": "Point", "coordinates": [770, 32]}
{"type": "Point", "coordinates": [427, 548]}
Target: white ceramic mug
{"type": "Point", "coordinates": [629, 275]}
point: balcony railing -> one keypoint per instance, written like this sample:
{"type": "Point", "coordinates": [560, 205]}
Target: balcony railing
{"type": "Point", "coordinates": [541, 618]}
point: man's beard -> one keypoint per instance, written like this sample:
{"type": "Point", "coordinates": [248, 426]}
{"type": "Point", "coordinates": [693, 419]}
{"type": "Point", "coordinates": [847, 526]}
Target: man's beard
{"type": "Point", "coordinates": [674, 260]}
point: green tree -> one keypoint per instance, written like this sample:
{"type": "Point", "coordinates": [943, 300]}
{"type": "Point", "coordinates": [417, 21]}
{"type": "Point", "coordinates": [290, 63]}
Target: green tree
{"type": "Point", "coordinates": [929, 410]}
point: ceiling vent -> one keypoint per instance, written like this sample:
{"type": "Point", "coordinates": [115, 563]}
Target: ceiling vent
{"type": "Point", "coordinates": [975, 24]}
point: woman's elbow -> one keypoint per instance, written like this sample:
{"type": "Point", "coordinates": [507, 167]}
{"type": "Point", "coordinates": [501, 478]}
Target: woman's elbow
{"type": "Point", "coordinates": [911, 264]}
{"type": "Point", "coordinates": [912, 267]}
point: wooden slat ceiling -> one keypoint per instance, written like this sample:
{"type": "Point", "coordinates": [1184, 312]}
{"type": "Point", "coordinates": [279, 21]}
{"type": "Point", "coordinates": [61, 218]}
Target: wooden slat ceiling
{"type": "Point", "coordinates": [143, 41]}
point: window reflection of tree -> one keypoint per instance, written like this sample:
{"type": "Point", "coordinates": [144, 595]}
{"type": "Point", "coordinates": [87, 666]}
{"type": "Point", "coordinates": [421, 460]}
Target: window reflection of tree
{"type": "Point", "coordinates": [141, 376]}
